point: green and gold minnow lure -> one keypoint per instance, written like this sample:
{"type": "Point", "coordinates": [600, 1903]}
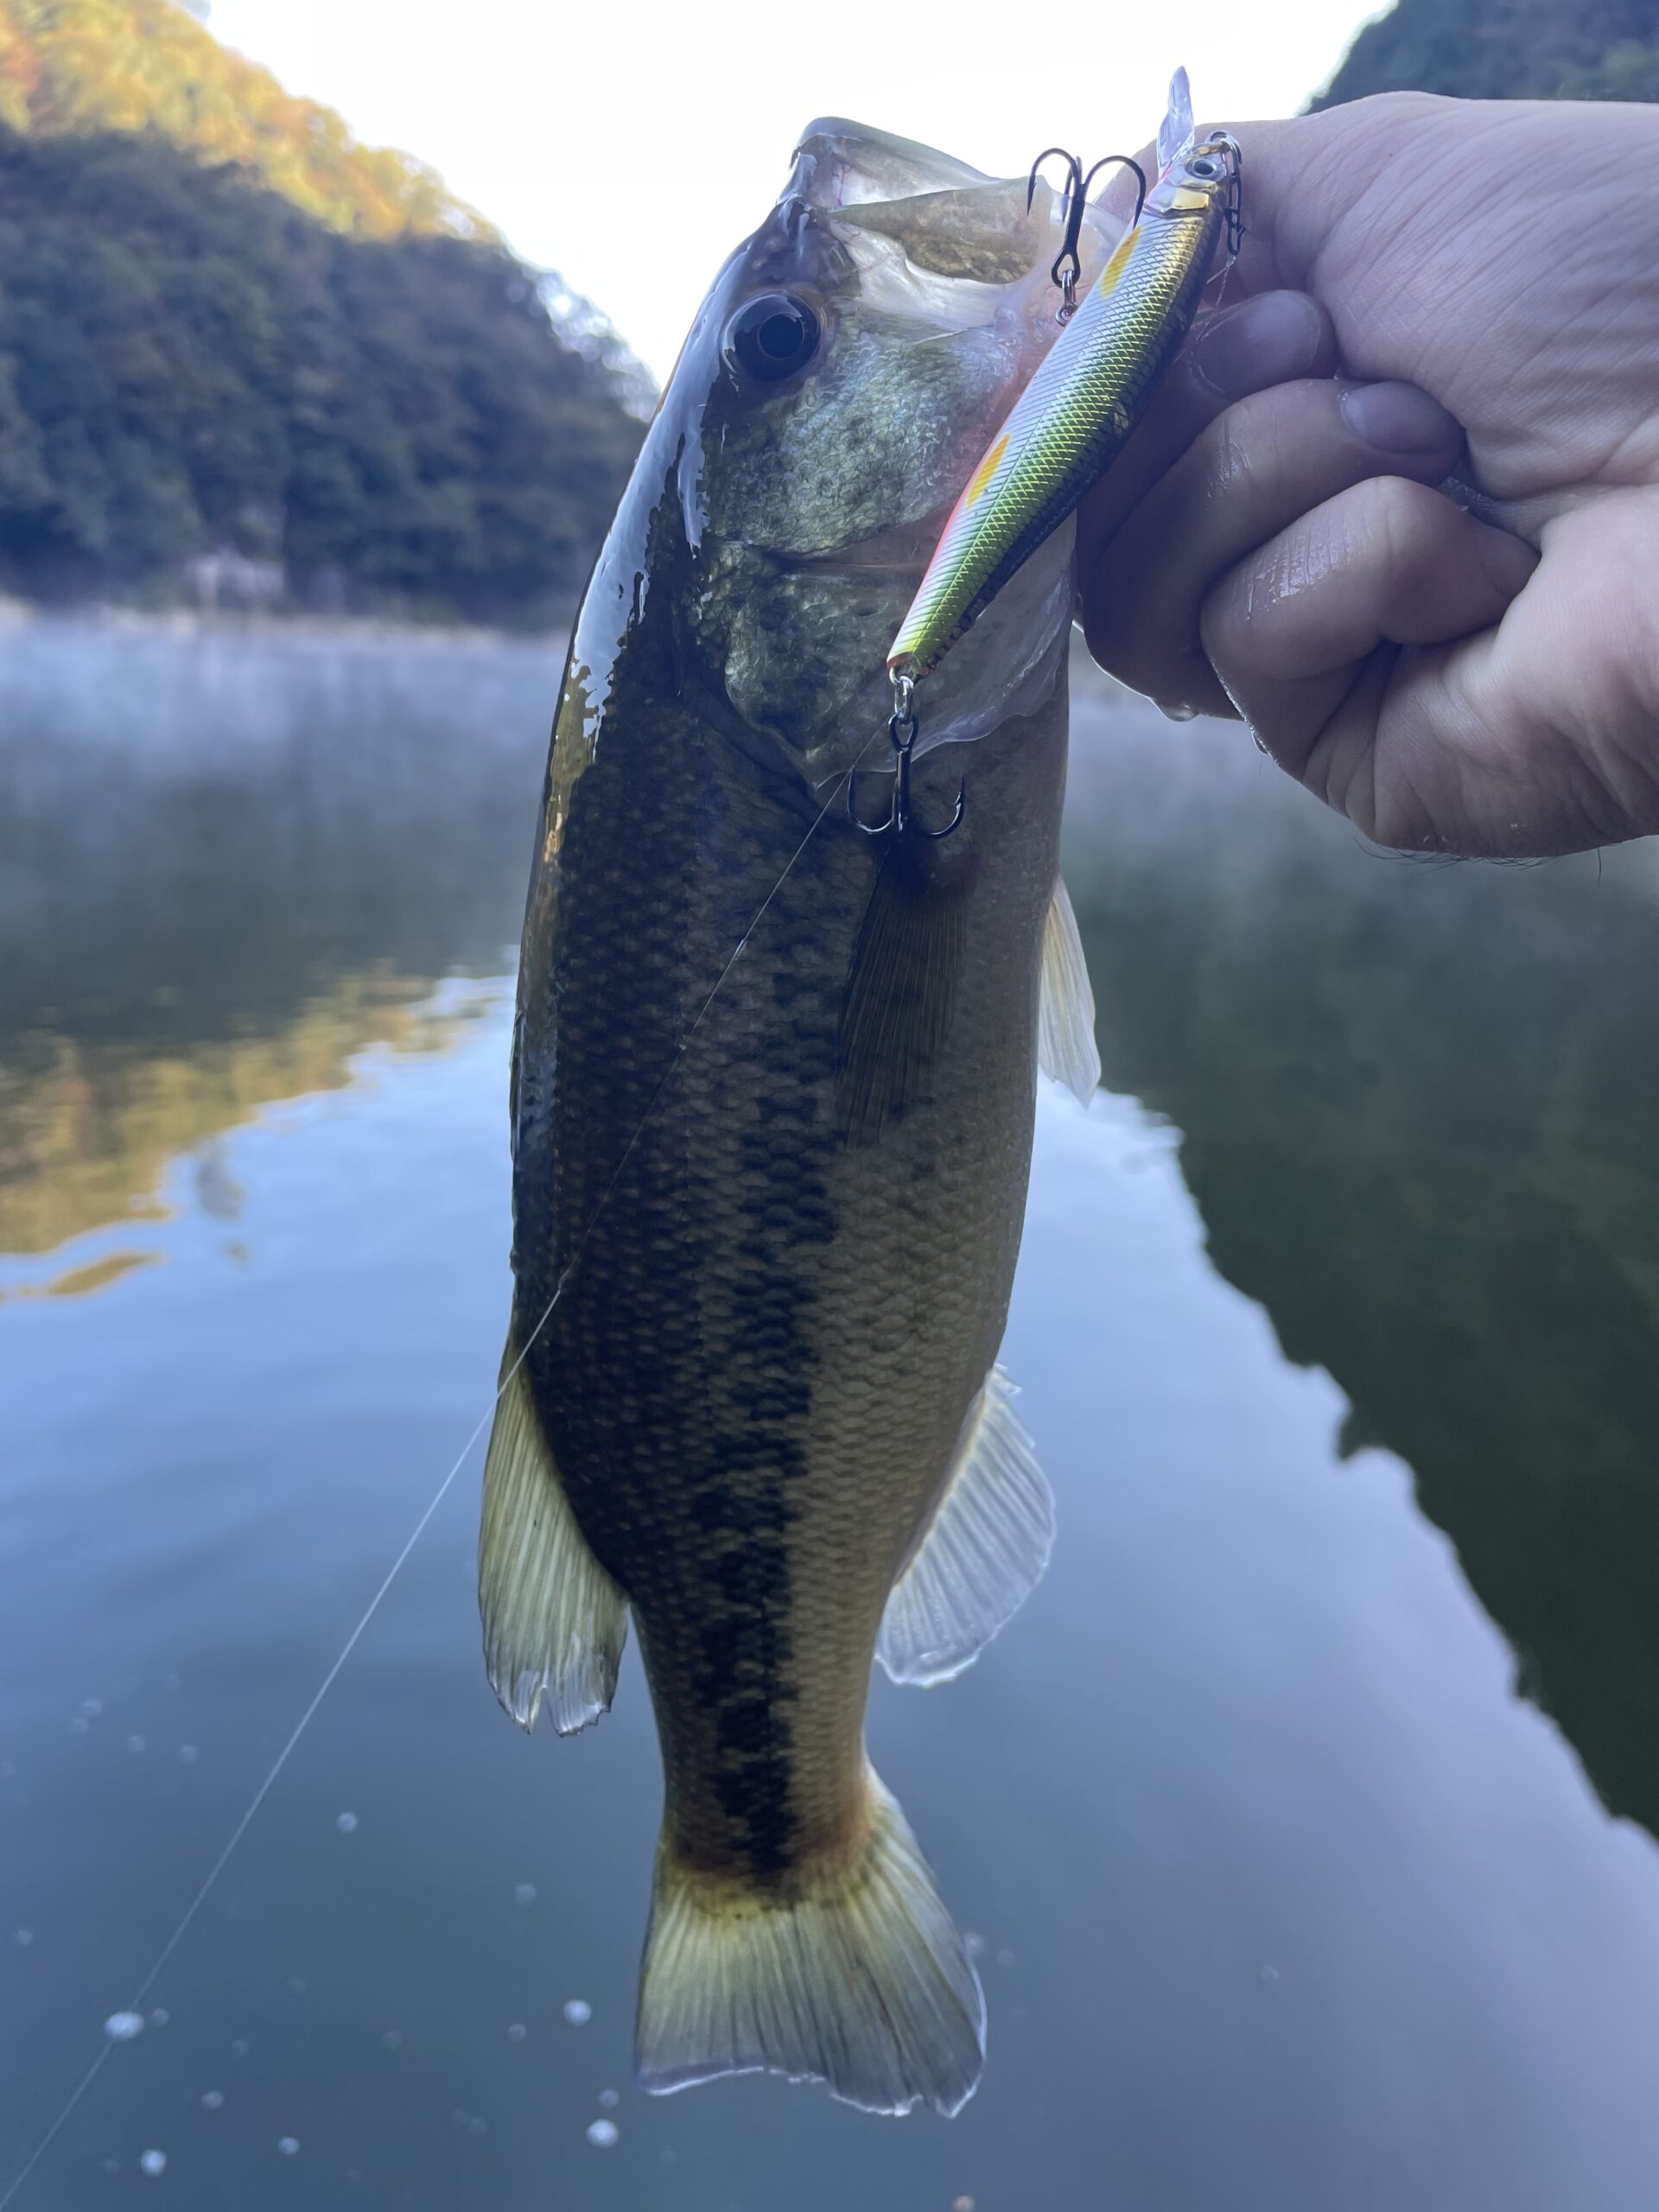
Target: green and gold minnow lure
{"type": "Point", "coordinates": [1090, 390]}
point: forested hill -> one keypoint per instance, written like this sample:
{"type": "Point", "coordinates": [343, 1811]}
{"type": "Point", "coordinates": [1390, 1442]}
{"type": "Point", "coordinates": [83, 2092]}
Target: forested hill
{"type": "Point", "coordinates": [1506, 49]}
{"type": "Point", "coordinates": [266, 366]}
{"type": "Point", "coordinates": [86, 65]}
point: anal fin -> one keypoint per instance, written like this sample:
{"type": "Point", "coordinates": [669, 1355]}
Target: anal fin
{"type": "Point", "coordinates": [1066, 1020]}
{"type": "Point", "coordinates": [984, 1551]}
{"type": "Point", "coordinates": [554, 1621]}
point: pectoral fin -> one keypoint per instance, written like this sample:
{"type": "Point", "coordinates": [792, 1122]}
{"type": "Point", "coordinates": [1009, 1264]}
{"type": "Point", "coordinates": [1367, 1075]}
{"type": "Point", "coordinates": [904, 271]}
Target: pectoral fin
{"type": "Point", "coordinates": [554, 1621]}
{"type": "Point", "coordinates": [1066, 1020]}
{"type": "Point", "coordinates": [983, 1553]}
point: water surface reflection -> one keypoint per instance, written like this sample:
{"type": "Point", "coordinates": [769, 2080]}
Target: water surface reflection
{"type": "Point", "coordinates": [1419, 1108]}
{"type": "Point", "coordinates": [1287, 1902]}
{"type": "Point", "coordinates": [227, 867]}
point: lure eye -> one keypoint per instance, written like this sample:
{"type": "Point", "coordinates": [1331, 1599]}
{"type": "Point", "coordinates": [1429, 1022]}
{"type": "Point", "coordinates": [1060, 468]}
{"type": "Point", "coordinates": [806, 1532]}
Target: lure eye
{"type": "Point", "coordinates": [1208, 167]}
{"type": "Point", "coordinates": [771, 337]}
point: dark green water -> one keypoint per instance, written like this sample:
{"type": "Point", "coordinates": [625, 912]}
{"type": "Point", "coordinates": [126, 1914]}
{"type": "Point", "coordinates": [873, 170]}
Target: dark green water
{"type": "Point", "coordinates": [1306, 1813]}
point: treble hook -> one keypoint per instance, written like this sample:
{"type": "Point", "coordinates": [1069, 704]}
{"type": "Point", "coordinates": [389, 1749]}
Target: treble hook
{"type": "Point", "coordinates": [902, 729]}
{"type": "Point", "coordinates": [1067, 266]}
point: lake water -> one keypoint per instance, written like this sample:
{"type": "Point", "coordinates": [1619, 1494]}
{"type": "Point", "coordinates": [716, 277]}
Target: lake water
{"type": "Point", "coordinates": [1306, 1813]}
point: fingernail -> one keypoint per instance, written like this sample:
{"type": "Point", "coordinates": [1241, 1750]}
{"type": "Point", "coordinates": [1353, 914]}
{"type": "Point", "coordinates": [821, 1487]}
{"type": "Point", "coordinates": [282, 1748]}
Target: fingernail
{"type": "Point", "coordinates": [1265, 342]}
{"type": "Point", "coordinates": [1398, 418]}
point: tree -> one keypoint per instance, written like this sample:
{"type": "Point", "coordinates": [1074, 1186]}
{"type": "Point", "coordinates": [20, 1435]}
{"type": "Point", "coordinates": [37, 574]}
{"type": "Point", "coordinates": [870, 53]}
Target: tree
{"type": "Point", "coordinates": [77, 67]}
{"type": "Point", "coordinates": [189, 364]}
{"type": "Point", "coordinates": [1505, 50]}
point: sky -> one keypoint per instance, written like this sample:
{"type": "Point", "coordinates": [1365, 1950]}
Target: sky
{"type": "Point", "coordinates": [630, 145]}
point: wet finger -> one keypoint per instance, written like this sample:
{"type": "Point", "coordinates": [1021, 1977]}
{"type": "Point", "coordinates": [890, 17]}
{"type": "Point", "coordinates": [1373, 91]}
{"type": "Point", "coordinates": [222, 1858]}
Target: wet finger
{"type": "Point", "coordinates": [1249, 474]}
{"type": "Point", "coordinates": [1304, 631]}
{"type": "Point", "coordinates": [1244, 349]}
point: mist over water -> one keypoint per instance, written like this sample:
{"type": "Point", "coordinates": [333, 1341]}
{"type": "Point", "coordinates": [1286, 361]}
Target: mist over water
{"type": "Point", "coordinates": [1304, 1816]}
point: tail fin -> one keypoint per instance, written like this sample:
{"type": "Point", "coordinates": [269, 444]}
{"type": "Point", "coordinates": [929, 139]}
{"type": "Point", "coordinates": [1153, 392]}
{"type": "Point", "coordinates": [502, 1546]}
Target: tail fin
{"type": "Point", "coordinates": [860, 1981]}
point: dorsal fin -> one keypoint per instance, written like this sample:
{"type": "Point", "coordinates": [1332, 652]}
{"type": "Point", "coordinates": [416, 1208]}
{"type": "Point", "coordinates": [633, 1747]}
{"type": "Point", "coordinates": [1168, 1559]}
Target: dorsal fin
{"type": "Point", "coordinates": [983, 1552]}
{"type": "Point", "coordinates": [1066, 1020]}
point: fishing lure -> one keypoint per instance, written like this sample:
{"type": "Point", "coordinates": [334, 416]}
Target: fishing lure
{"type": "Point", "coordinates": [1088, 392]}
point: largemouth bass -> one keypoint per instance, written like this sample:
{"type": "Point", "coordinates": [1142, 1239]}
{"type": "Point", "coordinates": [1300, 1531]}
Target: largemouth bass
{"type": "Point", "coordinates": [773, 1101]}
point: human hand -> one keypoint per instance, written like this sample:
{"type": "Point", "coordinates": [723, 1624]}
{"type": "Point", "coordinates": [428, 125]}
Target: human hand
{"type": "Point", "coordinates": [1426, 286]}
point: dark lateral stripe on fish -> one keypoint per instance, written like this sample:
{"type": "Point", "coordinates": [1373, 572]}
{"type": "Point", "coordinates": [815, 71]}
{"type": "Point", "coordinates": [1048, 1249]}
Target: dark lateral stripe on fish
{"type": "Point", "coordinates": [738, 1500]}
{"type": "Point", "coordinates": [744, 1652]}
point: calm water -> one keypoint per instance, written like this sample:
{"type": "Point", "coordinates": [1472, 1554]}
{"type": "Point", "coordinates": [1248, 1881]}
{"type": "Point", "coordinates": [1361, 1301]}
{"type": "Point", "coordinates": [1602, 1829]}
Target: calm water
{"type": "Point", "coordinates": [1306, 1813]}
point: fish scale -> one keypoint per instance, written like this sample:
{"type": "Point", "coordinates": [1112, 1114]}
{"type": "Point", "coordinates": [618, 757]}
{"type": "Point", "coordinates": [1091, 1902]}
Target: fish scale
{"type": "Point", "coordinates": [725, 1274]}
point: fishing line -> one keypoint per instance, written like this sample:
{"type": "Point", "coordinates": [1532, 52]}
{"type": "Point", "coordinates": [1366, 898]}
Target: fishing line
{"type": "Point", "coordinates": [437, 1498]}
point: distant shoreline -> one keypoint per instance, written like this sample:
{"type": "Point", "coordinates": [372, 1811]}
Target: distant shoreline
{"type": "Point", "coordinates": [17, 615]}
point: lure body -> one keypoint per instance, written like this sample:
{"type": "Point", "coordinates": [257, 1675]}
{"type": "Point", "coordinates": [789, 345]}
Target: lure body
{"type": "Point", "coordinates": [1088, 392]}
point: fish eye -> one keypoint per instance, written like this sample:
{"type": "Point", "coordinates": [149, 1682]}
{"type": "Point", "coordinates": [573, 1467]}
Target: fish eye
{"type": "Point", "coordinates": [772, 337]}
